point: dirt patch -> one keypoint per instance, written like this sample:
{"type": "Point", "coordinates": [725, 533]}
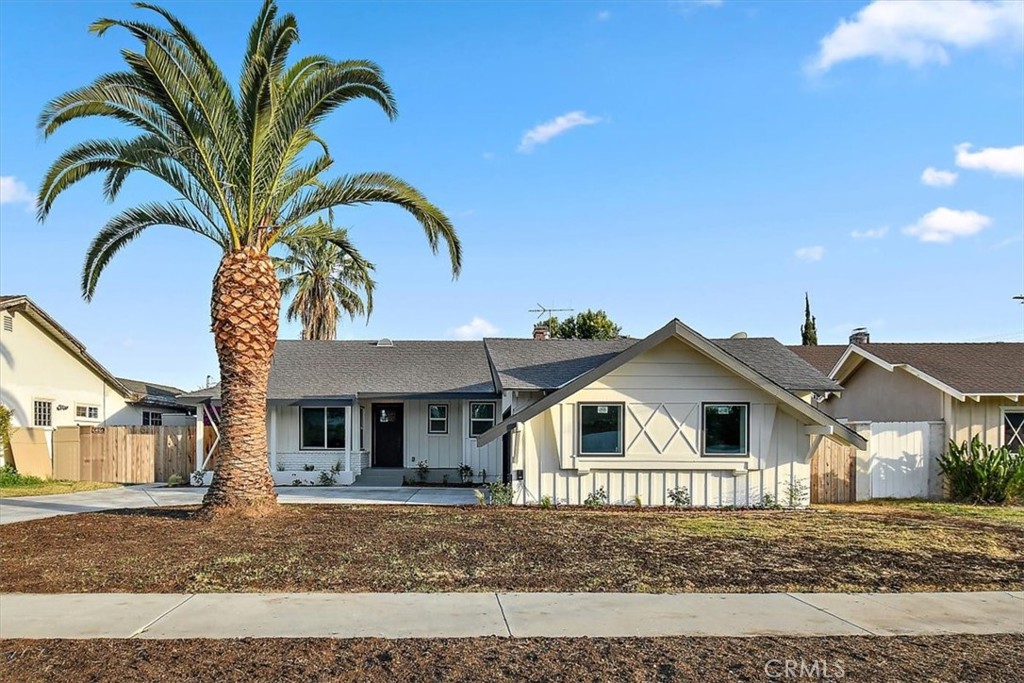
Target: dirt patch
{"type": "Point", "coordinates": [712, 660]}
{"type": "Point", "coordinates": [408, 548]}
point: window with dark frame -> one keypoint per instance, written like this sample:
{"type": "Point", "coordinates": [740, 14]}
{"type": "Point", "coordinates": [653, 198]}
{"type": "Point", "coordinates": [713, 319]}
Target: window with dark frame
{"type": "Point", "coordinates": [151, 418]}
{"type": "Point", "coordinates": [600, 429]}
{"type": "Point", "coordinates": [437, 418]}
{"type": "Point", "coordinates": [42, 413]}
{"type": "Point", "coordinates": [322, 428]}
{"type": "Point", "coordinates": [87, 412]}
{"type": "Point", "coordinates": [725, 429]}
{"type": "Point", "coordinates": [481, 418]}
{"type": "Point", "coordinates": [1013, 429]}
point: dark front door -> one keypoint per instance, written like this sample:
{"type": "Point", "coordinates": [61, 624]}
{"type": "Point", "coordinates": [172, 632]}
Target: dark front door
{"type": "Point", "coordinates": [387, 434]}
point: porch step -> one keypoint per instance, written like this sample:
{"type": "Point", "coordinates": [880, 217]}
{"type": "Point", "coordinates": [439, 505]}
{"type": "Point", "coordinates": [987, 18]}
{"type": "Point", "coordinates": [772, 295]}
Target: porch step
{"type": "Point", "coordinates": [380, 476]}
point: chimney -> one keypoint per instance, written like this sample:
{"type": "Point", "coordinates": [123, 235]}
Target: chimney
{"type": "Point", "coordinates": [860, 335]}
{"type": "Point", "coordinates": [541, 332]}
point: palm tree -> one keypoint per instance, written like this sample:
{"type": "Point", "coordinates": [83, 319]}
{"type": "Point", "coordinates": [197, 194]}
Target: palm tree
{"type": "Point", "coordinates": [249, 167]}
{"type": "Point", "coordinates": [327, 280]}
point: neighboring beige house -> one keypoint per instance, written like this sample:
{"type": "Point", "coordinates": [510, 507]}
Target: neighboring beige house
{"type": "Point", "coordinates": [49, 380]}
{"type": "Point", "coordinates": [911, 399]}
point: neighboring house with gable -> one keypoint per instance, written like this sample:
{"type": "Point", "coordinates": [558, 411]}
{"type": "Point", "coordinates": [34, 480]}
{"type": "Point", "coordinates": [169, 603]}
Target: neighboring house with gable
{"type": "Point", "coordinates": [731, 420]}
{"type": "Point", "coordinates": [48, 379]}
{"type": "Point", "coordinates": [914, 398]}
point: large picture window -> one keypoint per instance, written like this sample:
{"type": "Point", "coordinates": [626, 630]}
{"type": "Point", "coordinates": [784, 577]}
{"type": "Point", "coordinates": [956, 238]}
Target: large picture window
{"type": "Point", "coordinates": [481, 418]}
{"type": "Point", "coordinates": [726, 428]}
{"type": "Point", "coordinates": [437, 418]}
{"type": "Point", "coordinates": [600, 430]}
{"type": "Point", "coordinates": [1013, 429]}
{"type": "Point", "coordinates": [323, 428]}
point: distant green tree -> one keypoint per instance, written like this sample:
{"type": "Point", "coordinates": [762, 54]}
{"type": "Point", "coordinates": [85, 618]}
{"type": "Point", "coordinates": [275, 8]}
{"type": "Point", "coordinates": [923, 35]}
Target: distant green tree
{"type": "Point", "coordinates": [809, 330]}
{"type": "Point", "coordinates": [586, 325]}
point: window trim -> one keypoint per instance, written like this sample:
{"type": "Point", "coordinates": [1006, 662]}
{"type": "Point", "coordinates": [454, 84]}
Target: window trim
{"type": "Point", "coordinates": [621, 451]}
{"type": "Point", "coordinates": [86, 417]}
{"type": "Point", "coordinates": [471, 419]}
{"type": "Point", "coordinates": [447, 413]}
{"type": "Point", "coordinates": [325, 447]}
{"type": "Point", "coordinates": [42, 400]}
{"type": "Point", "coordinates": [1003, 425]}
{"type": "Point", "coordinates": [703, 426]}
{"type": "Point", "coordinates": [151, 413]}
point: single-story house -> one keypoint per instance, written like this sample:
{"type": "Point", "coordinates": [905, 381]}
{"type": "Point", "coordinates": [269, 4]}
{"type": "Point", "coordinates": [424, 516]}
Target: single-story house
{"type": "Point", "coordinates": [48, 379]}
{"type": "Point", "coordinates": [731, 420]}
{"type": "Point", "coordinates": [913, 398]}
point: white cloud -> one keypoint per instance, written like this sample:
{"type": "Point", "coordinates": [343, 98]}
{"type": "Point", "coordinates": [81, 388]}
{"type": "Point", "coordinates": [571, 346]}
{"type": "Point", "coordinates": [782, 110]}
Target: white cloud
{"type": "Point", "coordinates": [945, 225]}
{"type": "Point", "coordinates": [604, 15]}
{"type": "Point", "coordinates": [936, 178]}
{"type": "Point", "coordinates": [544, 132]}
{"type": "Point", "coordinates": [13, 191]}
{"type": "Point", "coordinates": [810, 254]}
{"type": "Point", "coordinates": [998, 160]}
{"type": "Point", "coordinates": [918, 32]}
{"type": "Point", "coordinates": [474, 329]}
{"type": "Point", "coordinates": [870, 234]}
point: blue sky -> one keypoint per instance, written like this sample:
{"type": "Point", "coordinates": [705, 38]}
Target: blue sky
{"type": "Point", "coordinates": [710, 161]}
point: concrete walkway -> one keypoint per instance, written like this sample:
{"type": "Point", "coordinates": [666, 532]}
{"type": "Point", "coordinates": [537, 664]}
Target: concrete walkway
{"type": "Point", "coordinates": [515, 615]}
{"type": "Point", "coordinates": [157, 495]}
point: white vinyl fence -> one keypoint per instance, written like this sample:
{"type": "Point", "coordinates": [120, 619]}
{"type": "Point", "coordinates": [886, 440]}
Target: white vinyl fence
{"type": "Point", "coordinates": [900, 460]}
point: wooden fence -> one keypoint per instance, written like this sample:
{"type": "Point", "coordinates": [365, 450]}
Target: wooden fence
{"type": "Point", "coordinates": [833, 473]}
{"type": "Point", "coordinates": [135, 455]}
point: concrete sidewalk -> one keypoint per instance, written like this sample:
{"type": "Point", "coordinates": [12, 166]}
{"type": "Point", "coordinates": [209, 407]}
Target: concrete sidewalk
{"type": "Point", "coordinates": [157, 495]}
{"type": "Point", "coordinates": [516, 615]}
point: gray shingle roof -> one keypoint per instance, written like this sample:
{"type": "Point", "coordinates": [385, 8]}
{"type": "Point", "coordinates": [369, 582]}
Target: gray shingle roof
{"type": "Point", "coordinates": [310, 369]}
{"type": "Point", "coordinates": [529, 364]}
{"type": "Point", "coordinates": [777, 363]}
{"type": "Point", "coordinates": [152, 393]}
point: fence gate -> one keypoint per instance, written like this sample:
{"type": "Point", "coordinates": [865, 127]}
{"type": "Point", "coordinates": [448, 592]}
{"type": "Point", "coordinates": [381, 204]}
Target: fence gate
{"type": "Point", "coordinates": [833, 473]}
{"type": "Point", "coordinates": [127, 455]}
{"type": "Point", "coordinates": [900, 459]}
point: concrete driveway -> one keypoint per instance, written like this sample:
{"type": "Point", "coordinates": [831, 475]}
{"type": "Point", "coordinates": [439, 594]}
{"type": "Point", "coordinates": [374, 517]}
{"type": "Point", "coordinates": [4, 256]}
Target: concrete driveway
{"type": "Point", "coordinates": [157, 495]}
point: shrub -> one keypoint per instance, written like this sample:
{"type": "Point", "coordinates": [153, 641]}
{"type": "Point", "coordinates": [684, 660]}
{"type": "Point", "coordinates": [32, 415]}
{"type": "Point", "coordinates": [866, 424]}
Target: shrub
{"type": "Point", "coordinates": [327, 479]}
{"type": "Point", "coordinates": [480, 498]}
{"type": "Point", "coordinates": [422, 470]}
{"type": "Point", "coordinates": [499, 493]}
{"type": "Point", "coordinates": [308, 468]}
{"type": "Point", "coordinates": [797, 493]}
{"type": "Point", "coordinates": [768, 502]}
{"type": "Point", "coordinates": [596, 499]}
{"type": "Point", "coordinates": [466, 473]}
{"type": "Point", "coordinates": [175, 480]}
{"type": "Point", "coordinates": [9, 476]}
{"type": "Point", "coordinates": [546, 502]}
{"type": "Point", "coordinates": [680, 497]}
{"type": "Point", "coordinates": [979, 473]}
{"type": "Point", "coordinates": [638, 501]}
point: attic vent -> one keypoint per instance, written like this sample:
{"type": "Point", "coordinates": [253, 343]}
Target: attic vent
{"type": "Point", "coordinates": [385, 342]}
{"type": "Point", "coordinates": [8, 324]}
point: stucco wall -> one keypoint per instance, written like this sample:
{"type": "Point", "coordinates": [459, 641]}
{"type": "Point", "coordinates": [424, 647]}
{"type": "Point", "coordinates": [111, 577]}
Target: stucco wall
{"type": "Point", "coordinates": [36, 366]}
{"type": "Point", "coordinates": [662, 391]}
{"type": "Point", "coordinates": [873, 393]}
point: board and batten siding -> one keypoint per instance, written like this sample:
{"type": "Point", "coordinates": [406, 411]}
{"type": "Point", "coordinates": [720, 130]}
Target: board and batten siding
{"type": "Point", "coordinates": [983, 418]}
{"type": "Point", "coordinates": [662, 391]}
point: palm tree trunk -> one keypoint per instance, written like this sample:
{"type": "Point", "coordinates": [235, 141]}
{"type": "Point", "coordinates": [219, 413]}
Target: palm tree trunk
{"type": "Point", "coordinates": [245, 308]}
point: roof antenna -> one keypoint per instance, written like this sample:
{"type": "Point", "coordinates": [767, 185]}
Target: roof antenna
{"type": "Point", "coordinates": [739, 335]}
{"type": "Point", "coordinates": [542, 311]}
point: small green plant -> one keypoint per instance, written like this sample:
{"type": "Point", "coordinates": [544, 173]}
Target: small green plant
{"type": "Point", "coordinates": [175, 480]}
{"type": "Point", "coordinates": [422, 471]}
{"type": "Point", "coordinates": [546, 502]}
{"type": "Point", "coordinates": [280, 467]}
{"type": "Point", "coordinates": [327, 479]}
{"type": "Point", "coordinates": [978, 473]}
{"type": "Point", "coordinates": [596, 499]}
{"type": "Point", "coordinates": [465, 473]}
{"type": "Point", "coordinates": [797, 493]}
{"type": "Point", "coordinates": [481, 499]}
{"type": "Point", "coordinates": [680, 497]}
{"type": "Point", "coordinates": [308, 468]}
{"type": "Point", "coordinates": [768, 502]}
{"type": "Point", "coordinates": [444, 479]}
{"type": "Point", "coordinates": [336, 467]}
{"type": "Point", "coordinates": [9, 476]}
{"type": "Point", "coordinates": [297, 482]}
{"type": "Point", "coordinates": [499, 493]}
{"type": "Point", "coordinates": [638, 501]}
{"type": "Point", "coordinates": [5, 428]}
{"type": "Point", "coordinates": [197, 477]}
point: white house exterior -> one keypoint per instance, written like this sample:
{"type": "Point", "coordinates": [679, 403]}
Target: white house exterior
{"type": "Point", "coordinates": [49, 380]}
{"type": "Point", "coordinates": [522, 411]}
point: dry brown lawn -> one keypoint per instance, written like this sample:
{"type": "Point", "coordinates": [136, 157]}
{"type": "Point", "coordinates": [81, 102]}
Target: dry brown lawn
{"type": "Point", "coordinates": [371, 548]}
